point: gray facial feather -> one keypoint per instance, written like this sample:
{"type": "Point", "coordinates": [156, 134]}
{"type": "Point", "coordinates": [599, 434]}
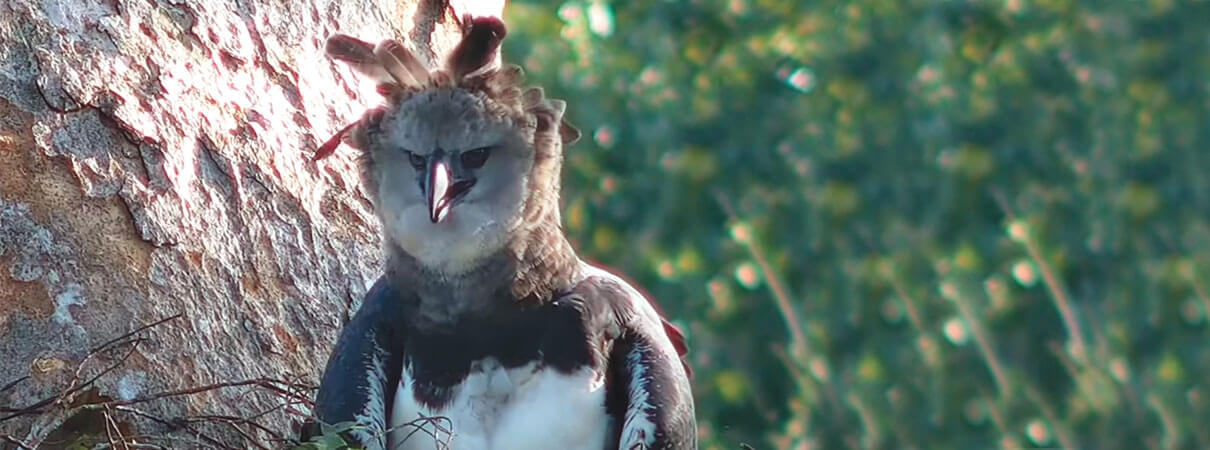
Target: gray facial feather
{"type": "Point", "coordinates": [447, 122]}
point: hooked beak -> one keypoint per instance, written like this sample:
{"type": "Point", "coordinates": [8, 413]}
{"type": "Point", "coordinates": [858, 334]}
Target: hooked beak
{"type": "Point", "coordinates": [441, 191]}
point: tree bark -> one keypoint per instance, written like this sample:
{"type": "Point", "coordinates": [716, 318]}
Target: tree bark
{"type": "Point", "coordinates": [154, 163]}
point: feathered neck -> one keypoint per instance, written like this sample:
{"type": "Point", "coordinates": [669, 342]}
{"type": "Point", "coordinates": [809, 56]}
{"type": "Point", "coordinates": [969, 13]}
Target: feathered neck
{"type": "Point", "coordinates": [546, 262]}
{"type": "Point", "coordinates": [533, 268]}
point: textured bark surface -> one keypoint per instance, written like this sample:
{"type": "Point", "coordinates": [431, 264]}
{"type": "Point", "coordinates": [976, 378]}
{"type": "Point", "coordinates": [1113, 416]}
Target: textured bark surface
{"type": "Point", "coordinates": [153, 162]}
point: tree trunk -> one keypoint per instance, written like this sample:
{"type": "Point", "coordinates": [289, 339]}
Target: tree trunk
{"type": "Point", "coordinates": [154, 165]}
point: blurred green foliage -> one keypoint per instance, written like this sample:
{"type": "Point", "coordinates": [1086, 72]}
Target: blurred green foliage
{"type": "Point", "coordinates": [903, 224]}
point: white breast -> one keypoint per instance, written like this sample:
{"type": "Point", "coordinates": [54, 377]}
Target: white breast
{"type": "Point", "coordinates": [504, 409]}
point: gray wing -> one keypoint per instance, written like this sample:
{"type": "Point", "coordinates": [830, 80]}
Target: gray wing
{"type": "Point", "coordinates": [358, 384]}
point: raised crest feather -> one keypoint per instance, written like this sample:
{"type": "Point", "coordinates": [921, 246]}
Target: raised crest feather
{"type": "Point", "coordinates": [349, 49]}
{"type": "Point", "coordinates": [568, 133]}
{"type": "Point", "coordinates": [509, 76]}
{"type": "Point", "coordinates": [480, 40]}
{"type": "Point", "coordinates": [471, 65]}
{"type": "Point", "coordinates": [401, 64]}
{"type": "Point", "coordinates": [329, 147]}
{"type": "Point", "coordinates": [559, 106]}
{"type": "Point", "coordinates": [358, 54]}
{"type": "Point", "coordinates": [532, 97]}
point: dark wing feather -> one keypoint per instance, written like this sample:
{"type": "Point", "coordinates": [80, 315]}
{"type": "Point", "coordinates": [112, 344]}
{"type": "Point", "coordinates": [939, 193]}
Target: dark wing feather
{"type": "Point", "coordinates": [672, 331]}
{"type": "Point", "coordinates": [649, 394]}
{"type": "Point", "coordinates": [648, 391]}
{"type": "Point", "coordinates": [358, 384]}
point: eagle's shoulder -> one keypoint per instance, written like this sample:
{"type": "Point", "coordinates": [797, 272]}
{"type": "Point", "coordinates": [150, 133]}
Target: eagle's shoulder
{"type": "Point", "coordinates": [610, 293]}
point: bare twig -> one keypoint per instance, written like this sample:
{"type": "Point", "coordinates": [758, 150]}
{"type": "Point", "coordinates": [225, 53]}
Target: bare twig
{"type": "Point", "coordinates": [796, 369]}
{"type": "Point", "coordinates": [1056, 348]}
{"type": "Point", "coordinates": [122, 340]}
{"type": "Point", "coordinates": [1058, 292]}
{"type": "Point", "coordinates": [241, 425]}
{"type": "Point", "coordinates": [995, 410]}
{"type": "Point", "coordinates": [1066, 440]}
{"type": "Point", "coordinates": [76, 386]}
{"type": "Point", "coordinates": [134, 345]}
{"type": "Point", "coordinates": [276, 407]}
{"type": "Point", "coordinates": [983, 342]}
{"type": "Point", "coordinates": [17, 442]}
{"type": "Point", "coordinates": [1199, 290]}
{"type": "Point", "coordinates": [14, 383]}
{"type": "Point", "coordinates": [781, 294]}
{"type": "Point", "coordinates": [266, 383]}
{"type": "Point", "coordinates": [212, 442]}
{"type": "Point", "coordinates": [41, 405]}
{"type": "Point", "coordinates": [873, 435]}
{"type": "Point", "coordinates": [1168, 421]}
{"type": "Point", "coordinates": [112, 431]}
{"type": "Point", "coordinates": [132, 445]}
{"type": "Point", "coordinates": [109, 430]}
{"type": "Point", "coordinates": [133, 332]}
{"type": "Point", "coordinates": [909, 303]}
{"type": "Point", "coordinates": [293, 392]}
{"type": "Point", "coordinates": [75, 379]}
{"type": "Point", "coordinates": [233, 422]}
{"type": "Point", "coordinates": [420, 423]}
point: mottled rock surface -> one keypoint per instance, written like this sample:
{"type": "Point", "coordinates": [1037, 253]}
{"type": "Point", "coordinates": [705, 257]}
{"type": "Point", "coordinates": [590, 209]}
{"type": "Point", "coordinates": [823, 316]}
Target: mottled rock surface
{"type": "Point", "coordinates": [153, 162]}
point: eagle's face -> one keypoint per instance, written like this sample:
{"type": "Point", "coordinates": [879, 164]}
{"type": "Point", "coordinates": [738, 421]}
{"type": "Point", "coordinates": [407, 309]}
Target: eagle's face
{"type": "Point", "coordinates": [449, 178]}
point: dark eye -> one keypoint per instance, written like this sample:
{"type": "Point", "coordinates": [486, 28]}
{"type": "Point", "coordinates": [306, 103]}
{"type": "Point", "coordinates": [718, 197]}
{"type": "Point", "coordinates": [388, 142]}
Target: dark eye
{"type": "Point", "coordinates": [417, 161]}
{"type": "Point", "coordinates": [474, 159]}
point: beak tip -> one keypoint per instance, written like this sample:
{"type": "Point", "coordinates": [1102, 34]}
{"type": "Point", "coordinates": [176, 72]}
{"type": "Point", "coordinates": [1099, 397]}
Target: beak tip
{"type": "Point", "coordinates": [438, 212]}
{"type": "Point", "coordinates": [437, 190]}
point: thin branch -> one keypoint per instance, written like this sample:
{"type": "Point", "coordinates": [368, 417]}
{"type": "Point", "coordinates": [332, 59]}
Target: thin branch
{"type": "Point", "coordinates": [133, 332]}
{"type": "Point", "coordinates": [293, 392]}
{"type": "Point", "coordinates": [873, 435]}
{"type": "Point", "coordinates": [132, 445]}
{"type": "Point", "coordinates": [1168, 421]}
{"type": "Point", "coordinates": [781, 294]}
{"type": "Point", "coordinates": [134, 345]}
{"type": "Point", "coordinates": [909, 303]}
{"type": "Point", "coordinates": [12, 440]}
{"type": "Point", "coordinates": [177, 424]}
{"type": "Point", "coordinates": [14, 383]}
{"type": "Point", "coordinates": [1199, 290]}
{"type": "Point", "coordinates": [1058, 292]}
{"type": "Point", "coordinates": [276, 407]}
{"type": "Point", "coordinates": [234, 421]}
{"type": "Point", "coordinates": [111, 428]}
{"type": "Point", "coordinates": [983, 342]}
{"type": "Point", "coordinates": [40, 406]}
{"type": "Point", "coordinates": [266, 383]}
{"type": "Point", "coordinates": [75, 386]}
{"type": "Point", "coordinates": [419, 425]}
{"type": "Point", "coordinates": [993, 411]}
{"type": "Point", "coordinates": [1066, 440]}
